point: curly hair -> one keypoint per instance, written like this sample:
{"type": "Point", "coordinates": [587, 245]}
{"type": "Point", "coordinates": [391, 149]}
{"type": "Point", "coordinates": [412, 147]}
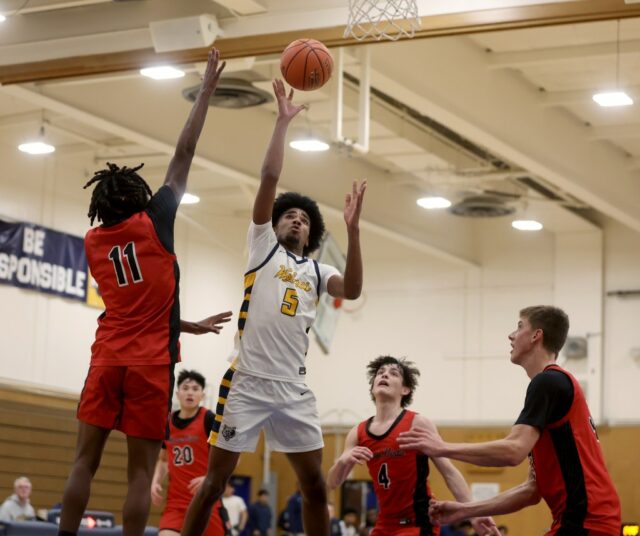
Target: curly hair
{"type": "Point", "coordinates": [408, 370]}
{"type": "Point", "coordinates": [120, 193]}
{"type": "Point", "coordinates": [288, 200]}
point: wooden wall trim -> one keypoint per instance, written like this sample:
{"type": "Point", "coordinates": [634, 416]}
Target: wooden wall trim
{"type": "Point", "coordinates": [432, 26]}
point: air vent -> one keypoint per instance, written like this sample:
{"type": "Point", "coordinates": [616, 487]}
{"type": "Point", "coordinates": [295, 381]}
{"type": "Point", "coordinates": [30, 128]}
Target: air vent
{"type": "Point", "coordinates": [232, 93]}
{"type": "Point", "coordinates": [482, 206]}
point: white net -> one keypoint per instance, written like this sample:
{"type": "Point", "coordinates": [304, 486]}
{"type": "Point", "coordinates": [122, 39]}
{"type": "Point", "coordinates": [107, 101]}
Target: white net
{"type": "Point", "coordinates": [382, 19]}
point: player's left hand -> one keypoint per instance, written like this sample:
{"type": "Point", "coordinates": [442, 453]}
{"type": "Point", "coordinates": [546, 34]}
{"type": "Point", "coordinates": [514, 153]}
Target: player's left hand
{"type": "Point", "coordinates": [211, 324]}
{"type": "Point", "coordinates": [485, 526]}
{"type": "Point", "coordinates": [195, 484]}
{"type": "Point", "coordinates": [427, 441]}
{"type": "Point", "coordinates": [445, 512]}
{"type": "Point", "coordinates": [353, 204]}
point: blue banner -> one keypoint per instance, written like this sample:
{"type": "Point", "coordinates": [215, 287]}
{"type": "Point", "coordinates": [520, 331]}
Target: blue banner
{"type": "Point", "coordinates": [42, 259]}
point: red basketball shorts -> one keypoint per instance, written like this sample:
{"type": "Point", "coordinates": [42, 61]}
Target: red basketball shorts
{"type": "Point", "coordinates": [173, 518]}
{"type": "Point", "coordinates": [135, 400]}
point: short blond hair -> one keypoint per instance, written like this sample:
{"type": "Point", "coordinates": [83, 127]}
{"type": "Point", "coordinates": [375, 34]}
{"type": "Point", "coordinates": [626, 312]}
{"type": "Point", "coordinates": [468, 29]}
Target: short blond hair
{"type": "Point", "coordinates": [21, 479]}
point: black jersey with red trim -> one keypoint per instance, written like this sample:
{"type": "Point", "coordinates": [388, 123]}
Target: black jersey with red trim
{"type": "Point", "coordinates": [138, 277]}
{"type": "Point", "coordinates": [569, 465]}
{"type": "Point", "coordinates": [187, 453]}
{"type": "Point", "coordinates": [400, 477]}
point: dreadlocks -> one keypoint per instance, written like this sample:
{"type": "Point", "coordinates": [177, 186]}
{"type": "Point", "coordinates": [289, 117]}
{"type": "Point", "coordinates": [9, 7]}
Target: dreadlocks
{"type": "Point", "coordinates": [120, 193]}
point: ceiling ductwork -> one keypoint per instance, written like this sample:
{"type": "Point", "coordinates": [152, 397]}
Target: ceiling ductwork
{"type": "Point", "coordinates": [482, 206]}
{"type": "Point", "coordinates": [232, 93]}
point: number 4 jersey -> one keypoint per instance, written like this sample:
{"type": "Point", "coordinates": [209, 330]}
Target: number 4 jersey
{"type": "Point", "coordinates": [137, 275]}
{"type": "Point", "coordinates": [281, 294]}
{"type": "Point", "coordinates": [399, 479]}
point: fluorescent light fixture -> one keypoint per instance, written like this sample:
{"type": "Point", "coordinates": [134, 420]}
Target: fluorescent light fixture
{"type": "Point", "coordinates": [526, 225]}
{"type": "Point", "coordinates": [189, 199]}
{"type": "Point", "coordinates": [309, 145]}
{"type": "Point", "coordinates": [36, 147]}
{"type": "Point", "coordinates": [609, 99]}
{"type": "Point", "coordinates": [163, 72]}
{"type": "Point", "coordinates": [434, 202]}
{"type": "Point", "coordinates": [2, 17]}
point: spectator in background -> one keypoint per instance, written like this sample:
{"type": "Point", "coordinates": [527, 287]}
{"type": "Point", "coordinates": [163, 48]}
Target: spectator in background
{"type": "Point", "coordinates": [294, 514]}
{"type": "Point", "coordinates": [369, 522]}
{"type": "Point", "coordinates": [236, 508]}
{"type": "Point", "coordinates": [17, 507]}
{"type": "Point", "coordinates": [349, 523]}
{"type": "Point", "coordinates": [334, 522]}
{"type": "Point", "coordinates": [260, 515]}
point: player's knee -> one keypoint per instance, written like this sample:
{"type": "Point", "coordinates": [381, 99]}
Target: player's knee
{"type": "Point", "coordinates": [212, 489]}
{"type": "Point", "coordinates": [314, 488]}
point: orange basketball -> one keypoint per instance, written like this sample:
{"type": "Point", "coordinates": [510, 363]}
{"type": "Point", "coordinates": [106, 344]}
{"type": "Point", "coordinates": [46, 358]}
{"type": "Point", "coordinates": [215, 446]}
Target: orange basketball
{"type": "Point", "coordinates": [306, 64]}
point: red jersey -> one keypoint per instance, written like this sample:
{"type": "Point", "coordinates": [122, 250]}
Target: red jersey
{"type": "Point", "coordinates": [137, 274]}
{"type": "Point", "coordinates": [571, 472]}
{"type": "Point", "coordinates": [187, 452]}
{"type": "Point", "coordinates": [400, 477]}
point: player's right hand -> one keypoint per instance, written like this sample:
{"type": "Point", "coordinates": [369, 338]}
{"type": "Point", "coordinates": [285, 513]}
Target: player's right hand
{"type": "Point", "coordinates": [157, 493]}
{"type": "Point", "coordinates": [357, 454]}
{"type": "Point", "coordinates": [212, 72]}
{"type": "Point", "coordinates": [286, 109]}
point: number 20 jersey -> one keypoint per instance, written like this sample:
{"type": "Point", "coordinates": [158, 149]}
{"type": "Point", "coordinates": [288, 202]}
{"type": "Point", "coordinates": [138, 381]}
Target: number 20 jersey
{"type": "Point", "coordinates": [137, 275]}
{"type": "Point", "coordinates": [281, 294]}
{"type": "Point", "coordinates": [187, 455]}
{"type": "Point", "coordinates": [399, 478]}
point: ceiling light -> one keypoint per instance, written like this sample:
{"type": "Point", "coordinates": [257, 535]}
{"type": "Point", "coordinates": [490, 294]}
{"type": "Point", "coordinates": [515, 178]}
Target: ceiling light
{"type": "Point", "coordinates": [526, 225]}
{"type": "Point", "coordinates": [189, 199]}
{"type": "Point", "coordinates": [612, 98]}
{"type": "Point", "coordinates": [309, 145]}
{"type": "Point", "coordinates": [36, 147]}
{"type": "Point", "coordinates": [164, 72]}
{"type": "Point", "coordinates": [433, 202]}
{"type": "Point", "coordinates": [2, 18]}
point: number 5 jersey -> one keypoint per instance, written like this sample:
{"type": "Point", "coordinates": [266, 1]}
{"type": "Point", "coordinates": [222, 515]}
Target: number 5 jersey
{"type": "Point", "coordinates": [281, 294]}
{"type": "Point", "coordinates": [137, 274]}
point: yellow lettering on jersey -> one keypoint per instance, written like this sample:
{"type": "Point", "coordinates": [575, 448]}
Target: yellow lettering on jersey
{"type": "Point", "coordinates": [289, 276]}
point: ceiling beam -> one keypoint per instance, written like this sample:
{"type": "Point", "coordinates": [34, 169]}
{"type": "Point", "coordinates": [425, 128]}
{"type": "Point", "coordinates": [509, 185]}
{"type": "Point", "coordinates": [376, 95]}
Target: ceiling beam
{"type": "Point", "coordinates": [615, 132]}
{"type": "Point", "coordinates": [274, 43]}
{"type": "Point", "coordinates": [551, 99]}
{"type": "Point", "coordinates": [245, 181]}
{"type": "Point", "coordinates": [543, 56]}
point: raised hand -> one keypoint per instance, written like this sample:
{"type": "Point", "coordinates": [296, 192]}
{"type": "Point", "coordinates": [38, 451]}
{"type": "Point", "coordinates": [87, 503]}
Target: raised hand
{"type": "Point", "coordinates": [353, 204]}
{"type": "Point", "coordinates": [211, 324]}
{"type": "Point", "coordinates": [426, 441]}
{"type": "Point", "coordinates": [357, 454]}
{"type": "Point", "coordinates": [212, 72]}
{"type": "Point", "coordinates": [286, 109]}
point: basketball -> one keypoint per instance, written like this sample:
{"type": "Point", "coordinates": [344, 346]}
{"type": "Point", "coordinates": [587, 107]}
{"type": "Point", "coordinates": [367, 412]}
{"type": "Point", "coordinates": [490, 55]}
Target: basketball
{"type": "Point", "coordinates": [306, 64]}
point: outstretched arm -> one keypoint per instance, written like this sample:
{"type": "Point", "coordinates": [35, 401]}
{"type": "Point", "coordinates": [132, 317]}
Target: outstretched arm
{"type": "Point", "coordinates": [515, 499]}
{"type": "Point", "coordinates": [351, 455]}
{"type": "Point", "coordinates": [273, 160]}
{"type": "Point", "coordinates": [211, 324]}
{"type": "Point", "coordinates": [178, 170]}
{"type": "Point", "coordinates": [508, 451]}
{"type": "Point", "coordinates": [350, 285]}
{"type": "Point", "coordinates": [483, 526]}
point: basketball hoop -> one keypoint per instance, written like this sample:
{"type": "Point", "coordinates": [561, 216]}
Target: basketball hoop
{"type": "Point", "coordinates": [382, 19]}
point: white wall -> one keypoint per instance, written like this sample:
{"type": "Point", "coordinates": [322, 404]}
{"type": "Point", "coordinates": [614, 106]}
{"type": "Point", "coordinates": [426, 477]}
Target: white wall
{"type": "Point", "coordinates": [453, 322]}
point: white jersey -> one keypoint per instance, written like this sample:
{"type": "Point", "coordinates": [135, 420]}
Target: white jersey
{"type": "Point", "coordinates": [279, 306]}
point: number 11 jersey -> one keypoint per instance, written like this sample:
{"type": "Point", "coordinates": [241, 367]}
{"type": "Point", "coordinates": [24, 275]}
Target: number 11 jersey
{"type": "Point", "coordinates": [138, 276]}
